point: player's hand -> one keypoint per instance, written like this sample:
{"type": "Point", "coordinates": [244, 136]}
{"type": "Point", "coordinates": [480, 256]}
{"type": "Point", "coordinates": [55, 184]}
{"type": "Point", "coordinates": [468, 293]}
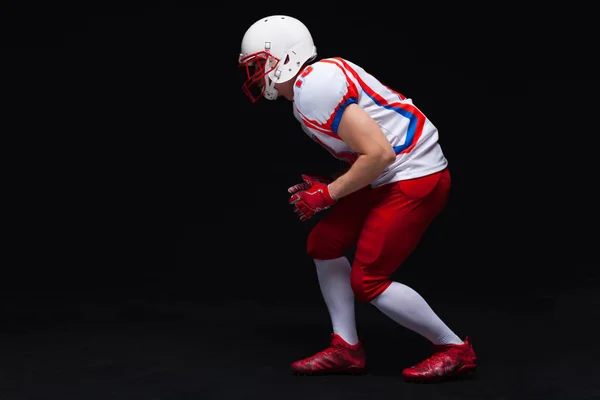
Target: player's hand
{"type": "Point", "coordinates": [305, 185]}
{"type": "Point", "coordinates": [314, 198]}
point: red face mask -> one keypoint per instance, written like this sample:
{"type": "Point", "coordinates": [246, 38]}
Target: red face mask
{"type": "Point", "coordinates": [254, 66]}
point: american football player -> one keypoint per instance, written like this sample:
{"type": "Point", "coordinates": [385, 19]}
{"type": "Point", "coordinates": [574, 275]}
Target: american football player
{"type": "Point", "coordinates": [397, 182]}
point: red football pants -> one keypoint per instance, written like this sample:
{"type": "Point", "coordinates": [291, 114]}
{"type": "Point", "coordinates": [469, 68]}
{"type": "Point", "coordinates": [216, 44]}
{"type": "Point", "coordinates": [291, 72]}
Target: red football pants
{"type": "Point", "coordinates": [385, 224]}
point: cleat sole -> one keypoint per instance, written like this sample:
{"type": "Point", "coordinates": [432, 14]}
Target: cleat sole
{"type": "Point", "coordinates": [466, 371]}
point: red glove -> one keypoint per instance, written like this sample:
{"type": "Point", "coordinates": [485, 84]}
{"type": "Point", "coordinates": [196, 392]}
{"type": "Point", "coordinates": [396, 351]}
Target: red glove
{"type": "Point", "coordinates": [305, 185]}
{"type": "Point", "coordinates": [310, 197]}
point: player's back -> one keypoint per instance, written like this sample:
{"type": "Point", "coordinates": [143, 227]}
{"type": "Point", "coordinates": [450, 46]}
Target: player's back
{"type": "Point", "coordinates": [327, 87]}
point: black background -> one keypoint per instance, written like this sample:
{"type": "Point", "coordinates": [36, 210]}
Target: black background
{"type": "Point", "coordinates": [153, 174]}
{"type": "Point", "coordinates": [148, 180]}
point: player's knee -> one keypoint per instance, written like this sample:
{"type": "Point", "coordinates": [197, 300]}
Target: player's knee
{"type": "Point", "coordinates": [366, 288]}
{"type": "Point", "coordinates": [320, 245]}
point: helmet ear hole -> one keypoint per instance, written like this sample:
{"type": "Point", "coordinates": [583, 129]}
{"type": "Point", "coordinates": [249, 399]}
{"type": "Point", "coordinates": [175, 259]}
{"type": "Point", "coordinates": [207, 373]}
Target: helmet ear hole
{"type": "Point", "coordinates": [287, 59]}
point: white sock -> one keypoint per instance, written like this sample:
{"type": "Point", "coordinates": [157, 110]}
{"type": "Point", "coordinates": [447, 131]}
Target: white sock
{"type": "Point", "coordinates": [334, 280]}
{"type": "Point", "coordinates": [409, 309]}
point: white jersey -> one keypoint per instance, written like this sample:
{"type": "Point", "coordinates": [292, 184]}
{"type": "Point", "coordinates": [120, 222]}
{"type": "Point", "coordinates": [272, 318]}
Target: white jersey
{"type": "Point", "coordinates": [325, 88]}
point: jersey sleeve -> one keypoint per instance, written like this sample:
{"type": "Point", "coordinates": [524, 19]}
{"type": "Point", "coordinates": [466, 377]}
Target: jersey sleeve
{"type": "Point", "coordinates": [321, 94]}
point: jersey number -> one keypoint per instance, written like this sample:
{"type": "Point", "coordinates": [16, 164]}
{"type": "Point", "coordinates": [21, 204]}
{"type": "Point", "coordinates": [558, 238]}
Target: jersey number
{"type": "Point", "coordinates": [306, 71]}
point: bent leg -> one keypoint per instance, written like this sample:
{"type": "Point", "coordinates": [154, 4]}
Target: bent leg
{"type": "Point", "coordinates": [391, 232]}
{"type": "Point", "coordinates": [327, 243]}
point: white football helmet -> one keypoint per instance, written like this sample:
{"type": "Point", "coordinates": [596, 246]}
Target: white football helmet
{"type": "Point", "coordinates": [273, 51]}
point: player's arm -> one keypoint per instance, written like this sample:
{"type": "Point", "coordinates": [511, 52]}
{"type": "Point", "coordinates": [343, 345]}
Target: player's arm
{"type": "Point", "coordinates": [364, 137]}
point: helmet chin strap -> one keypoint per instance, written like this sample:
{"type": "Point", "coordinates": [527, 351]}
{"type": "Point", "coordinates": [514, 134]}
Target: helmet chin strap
{"type": "Point", "coordinates": [270, 92]}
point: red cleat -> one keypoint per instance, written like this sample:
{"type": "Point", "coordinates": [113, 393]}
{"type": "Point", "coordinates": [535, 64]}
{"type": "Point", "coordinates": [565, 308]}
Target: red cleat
{"type": "Point", "coordinates": [448, 361]}
{"type": "Point", "coordinates": [339, 358]}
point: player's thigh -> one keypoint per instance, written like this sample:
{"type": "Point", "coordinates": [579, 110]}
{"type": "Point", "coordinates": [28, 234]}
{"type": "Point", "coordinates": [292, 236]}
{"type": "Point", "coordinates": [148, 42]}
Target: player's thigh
{"type": "Point", "coordinates": [398, 220]}
{"type": "Point", "coordinates": [340, 227]}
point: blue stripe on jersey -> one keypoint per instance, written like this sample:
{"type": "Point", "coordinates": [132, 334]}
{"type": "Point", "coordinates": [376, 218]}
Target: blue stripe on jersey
{"type": "Point", "coordinates": [338, 115]}
{"type": "Point", "coordinates": [412, 125]}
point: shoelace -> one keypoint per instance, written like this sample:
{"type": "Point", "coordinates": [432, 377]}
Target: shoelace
{"type": "Point", "coordinates": [327, 351]}
{"type": "Point", "coordinates": [439, 356]}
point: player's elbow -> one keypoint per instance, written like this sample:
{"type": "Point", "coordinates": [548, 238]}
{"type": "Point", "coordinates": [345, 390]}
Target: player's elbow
{"type": "Point", "coordinates": [381, 158]}
{"type": "Point", "coordinates": [387, 156]}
